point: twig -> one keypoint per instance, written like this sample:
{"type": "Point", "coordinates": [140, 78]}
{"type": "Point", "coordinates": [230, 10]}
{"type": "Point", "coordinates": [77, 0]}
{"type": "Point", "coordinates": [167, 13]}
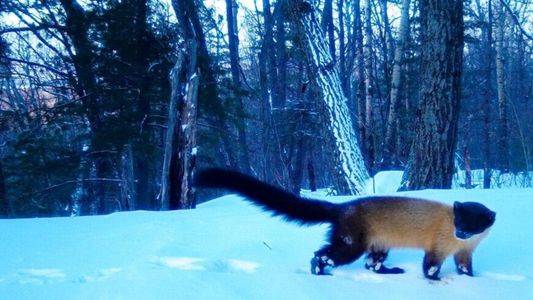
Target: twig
{"type": "Point", "coordinates": [269, 248]}
{"type": "Point", "coordinates": [68, 182]}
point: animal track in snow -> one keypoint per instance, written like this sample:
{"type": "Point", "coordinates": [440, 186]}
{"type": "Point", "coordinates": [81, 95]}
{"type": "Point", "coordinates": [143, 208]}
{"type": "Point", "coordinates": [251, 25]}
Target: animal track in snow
{"type": "Point", "coordinates": [235, 265]}
{"type": "Point", "coordinates": [181, 263]}
{"type": "Point", "coordinates": [40, 276]}
{"type": "Point", "coordinates": [99, 275]}
{"type": "Point", "coordinates": [199, 264]}
{"type": "Point", "coordinates": [504, 277]}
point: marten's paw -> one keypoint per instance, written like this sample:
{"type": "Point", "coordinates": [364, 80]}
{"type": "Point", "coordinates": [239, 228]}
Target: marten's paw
{"type": "Point", "coordinates": [322, 265]}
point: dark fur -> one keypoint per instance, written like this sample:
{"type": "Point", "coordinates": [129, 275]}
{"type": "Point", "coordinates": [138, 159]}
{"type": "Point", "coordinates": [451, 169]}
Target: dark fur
{"type": "Point", "coordinates": [370, 225]}
{"type": "Point", "coordinates": [291, 207]}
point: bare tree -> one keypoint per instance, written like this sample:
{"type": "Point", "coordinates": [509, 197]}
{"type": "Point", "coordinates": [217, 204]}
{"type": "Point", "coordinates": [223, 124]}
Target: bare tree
{"type": "Point", "coordinates": [370, 150]}
{"type": "Point", "coordinates": [348, 157]}
{"type": "Point", "coordinates": [431, 163]}
{"type": "Point", "coordinates": [503, 136]}
{"type": "Point", "coordinates": [233, 42]}
{"type": "Point", "coordinates": [359, 76]}
{"type": "Point", "coordinates": [389, 151]}
{"type": "Point", "coordinates": [180, 143]}
{"type": "Point", "coordinates": [328, 27]}
{"type": "Point", "coordinates": [487, 92]}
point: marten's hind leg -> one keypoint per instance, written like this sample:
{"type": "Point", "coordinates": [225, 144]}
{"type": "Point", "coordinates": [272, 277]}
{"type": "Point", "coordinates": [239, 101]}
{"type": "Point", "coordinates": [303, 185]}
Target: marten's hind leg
{"type": "Point", "coordinates": [344, 248]}
{"type": "Point", "coordinates": [375, 260]}
{"type": "Point", "coordinates": [334, 255]}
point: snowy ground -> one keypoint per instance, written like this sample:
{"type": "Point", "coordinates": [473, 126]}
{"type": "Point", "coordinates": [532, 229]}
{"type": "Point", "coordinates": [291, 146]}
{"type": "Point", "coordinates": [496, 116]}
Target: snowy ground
{"type": "Point", "coordinates": [227, 249]}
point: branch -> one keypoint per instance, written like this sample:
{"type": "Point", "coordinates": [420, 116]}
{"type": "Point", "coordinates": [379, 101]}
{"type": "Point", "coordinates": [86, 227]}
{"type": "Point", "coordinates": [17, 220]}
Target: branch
{"type": "Point", "coordinates": [30, 28]}
{"type": "Point", "coordinates": [515, 19]}
{"type": "Point", "coordinates": [35, 64]}
{"type": "Point", "coordinates": [68, 182]}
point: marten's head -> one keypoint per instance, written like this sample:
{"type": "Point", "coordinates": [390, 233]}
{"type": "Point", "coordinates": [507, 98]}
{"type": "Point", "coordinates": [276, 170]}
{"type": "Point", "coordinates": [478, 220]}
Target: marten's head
{"type": "Point", "coordinates": [471, 218]}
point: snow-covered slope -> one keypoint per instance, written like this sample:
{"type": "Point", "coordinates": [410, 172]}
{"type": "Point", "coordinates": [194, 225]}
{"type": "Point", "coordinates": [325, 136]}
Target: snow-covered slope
{"type": "Point", "coordinates": [227, 249]}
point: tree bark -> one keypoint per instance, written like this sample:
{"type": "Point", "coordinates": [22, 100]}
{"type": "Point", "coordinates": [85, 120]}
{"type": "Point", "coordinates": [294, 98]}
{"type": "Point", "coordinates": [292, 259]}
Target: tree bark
{"type": "Point", "coordinates": [468, 168]}
{"type": "Point", "coordinates": [388, 47]}
{"type": "Point", "coordinates": [328, 27]}
{"type": "Point", "coordinates": [191, 28]}
{"type": "Point", "coordinates": [487, 96]}
{"type": "Point", "coordinates": [389, 152]}
{"type": "Point", "coordinates": [503, 139]}
{"type": "Point", "coordinates": [349, 160]}
{"type": "Point", "coordinates": [129, 199]}
{"type": "Point", "coordinates": [342, 50]}
{"type": "Point", "coordinates": [180, 145]}
{"type": "Point", "coordinates": [369, 89]}
{"type": "Point", "coordinates": [431, 163]}
{"type": "Point", "coordinates": [4, 203]}
{"type": "Point", "coordinates": [281, 52]}
{"type": "Point", "coordinates": [359, 76]}
{"type": "Point", "coordinates": [233, 41]}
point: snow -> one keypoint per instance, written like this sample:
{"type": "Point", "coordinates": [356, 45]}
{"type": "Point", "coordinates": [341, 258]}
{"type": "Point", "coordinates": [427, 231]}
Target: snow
{"type": "Point", "coordinates": [228, 249]}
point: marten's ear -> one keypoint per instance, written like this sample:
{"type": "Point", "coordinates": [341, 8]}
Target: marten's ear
{"type": "Point", "coordinates": [456, 205]}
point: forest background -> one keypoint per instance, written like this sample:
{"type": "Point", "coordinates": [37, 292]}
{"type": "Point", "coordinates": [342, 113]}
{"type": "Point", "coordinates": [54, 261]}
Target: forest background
{"type": "Point", "coordinates": [110, 105]}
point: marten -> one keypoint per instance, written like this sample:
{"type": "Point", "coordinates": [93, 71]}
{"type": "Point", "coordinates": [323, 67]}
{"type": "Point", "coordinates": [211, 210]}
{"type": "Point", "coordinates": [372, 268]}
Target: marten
{"type": "Point", "coordinates": [371, 225]}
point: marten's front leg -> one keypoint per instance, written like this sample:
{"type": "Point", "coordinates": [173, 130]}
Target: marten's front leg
{"type": "Point", "coordinates": [463, 262]}
{"type": "Point", "coordinates": [432, 263]}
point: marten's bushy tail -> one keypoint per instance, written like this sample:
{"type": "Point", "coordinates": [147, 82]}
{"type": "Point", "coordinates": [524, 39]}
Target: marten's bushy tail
{"type": "Point", "coordinates": [270, 198]}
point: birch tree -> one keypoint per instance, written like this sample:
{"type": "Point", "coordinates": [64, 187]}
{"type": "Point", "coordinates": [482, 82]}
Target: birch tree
{"type": "Point", "coordinates": [389, 150]}
{"type": "Point", "coordinates": [359, 71]}
{"type": "Point", "coordinates": [369, 87]}
{"type": "Point", "coordinates": [350, 162]}
{"type": "Point", "coordinates": [503, 141]}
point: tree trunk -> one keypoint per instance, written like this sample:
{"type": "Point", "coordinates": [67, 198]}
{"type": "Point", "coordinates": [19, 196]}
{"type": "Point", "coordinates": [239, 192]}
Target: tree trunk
{"type": "Point", "coordinates": [281, 52]}
{"type": "Point", "coordinates": [369, 89]}
{"type": "Point", "coordinates": [129, 199]}
{"type": "Point", "coordinates": [4, 203]}
{"type": "Point", "coordinates": [349, 161]}
{"type": "Point", "coordinates": [431, 163]}
{"type": "Point", "coordinates": [388, 47]}
{"type": "Point", "coordinates": [191, 28]}
{"type": "Point", "coordinates": [468, 168]}
{"type": "Point", "coordinates": [264, 115]}
{"type": "Point", "coordinates": [311, 174]}
{"type": "Point", "coordinates": [487, 99]}
{"type": "Point", "coordinates": [328, 27]}
{"type": "Point", "coordinates": [359, 77]}
{"type": "Point", "coordinates": [503, 140]}
{"type": "Point", "coordinates": [180, 145]}
{"type": "Point", "coordinates": [268, 44]}
{"type": "Point", "coordinates": [389, 152]}
{"type": "Point", "coordinates": [272, 104]}
{"type": "Point", "coordinates": [233, 38]}
{"type": "Point", "coordinates": [342, 51]}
